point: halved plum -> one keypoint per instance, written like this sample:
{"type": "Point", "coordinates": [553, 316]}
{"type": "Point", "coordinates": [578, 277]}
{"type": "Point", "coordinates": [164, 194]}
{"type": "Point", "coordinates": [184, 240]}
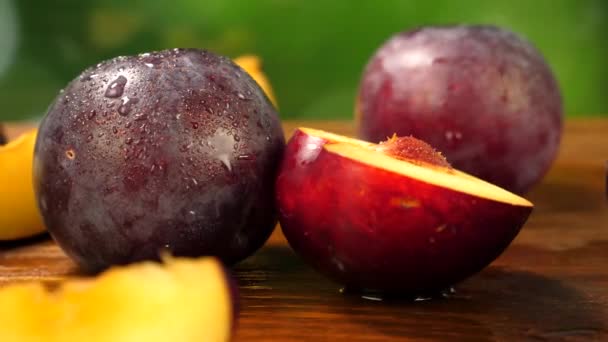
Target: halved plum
{"type": "Point", "coordinates": [375, 221]}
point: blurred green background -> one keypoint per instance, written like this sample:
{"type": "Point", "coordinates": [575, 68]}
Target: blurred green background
{"type": "Point", "coordinates": [313, 50]}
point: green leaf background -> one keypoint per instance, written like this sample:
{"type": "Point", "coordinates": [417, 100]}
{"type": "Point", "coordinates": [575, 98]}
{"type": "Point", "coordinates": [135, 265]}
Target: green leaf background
{"type": "Point", "coordinates": [314, 51]}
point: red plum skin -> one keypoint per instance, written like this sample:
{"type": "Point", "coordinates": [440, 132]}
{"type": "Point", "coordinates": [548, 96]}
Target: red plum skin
{"type": "Point", "coordinates": [372, 229]}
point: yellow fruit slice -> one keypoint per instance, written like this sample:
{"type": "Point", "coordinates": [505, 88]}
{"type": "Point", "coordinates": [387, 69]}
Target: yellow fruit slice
{"type": "Point", "coordinates": [184, 300]}
{"type": "Point", "coordinates": [253, 65]}
{"type": "Point", "coordinates": [19, 216]}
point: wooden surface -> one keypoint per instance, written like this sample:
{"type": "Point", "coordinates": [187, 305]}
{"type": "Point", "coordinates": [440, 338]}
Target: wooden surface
{"type": "Point", "coordinates": [551, 283]}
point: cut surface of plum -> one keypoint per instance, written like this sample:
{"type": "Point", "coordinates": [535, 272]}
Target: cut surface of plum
{"type": "Point", "coordinates": [413, 150]}
{"type": "Point", "coordinates": [454, 180]}
{"type": "Point", "coordinates": [374, 155]}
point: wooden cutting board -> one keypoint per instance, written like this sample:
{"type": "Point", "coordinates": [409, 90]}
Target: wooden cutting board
{"type": "Point", "coordinates": [551, 283]}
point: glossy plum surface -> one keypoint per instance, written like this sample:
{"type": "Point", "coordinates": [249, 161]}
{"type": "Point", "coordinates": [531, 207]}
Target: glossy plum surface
{"type": "Point", "coordinates": [482, 95]}
{"type": "Point", "coordinates": [174, 150]}
{"type": "Point", "coordinates": [368, 228]}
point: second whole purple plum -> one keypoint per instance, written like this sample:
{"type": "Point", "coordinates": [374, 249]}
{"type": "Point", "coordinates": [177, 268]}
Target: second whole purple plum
{"type": "Point", "coordinates": [482, 95]}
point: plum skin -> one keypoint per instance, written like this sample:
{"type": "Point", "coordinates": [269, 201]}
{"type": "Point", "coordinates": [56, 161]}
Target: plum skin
{"type": "Point", "coordinates": [481, 95]}
{"type": "Point", "coordinates": [345, 222]}
{"type": "Point", "coordinates": [174, 150]}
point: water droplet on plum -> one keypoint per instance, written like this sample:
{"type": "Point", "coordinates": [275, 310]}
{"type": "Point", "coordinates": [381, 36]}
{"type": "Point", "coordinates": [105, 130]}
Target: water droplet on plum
{"type": "Point", "coordinates": [116, 88]}
{"type": "Point", "coordinates": [247, 157]}
{"type": "Point", "coordinates": [225, 159]}
{"type": "Point", "coordinates": [126, 105]}
{"type": "Point", "coordinates": [184, 147]}
{"type": "Point", "coordinates": [87, 78]}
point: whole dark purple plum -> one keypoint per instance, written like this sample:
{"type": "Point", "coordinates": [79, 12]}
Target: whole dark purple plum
{"type": "Point", "coordinates": [482, 95]}
{"type": "Point", "coordinates": [174, 150]}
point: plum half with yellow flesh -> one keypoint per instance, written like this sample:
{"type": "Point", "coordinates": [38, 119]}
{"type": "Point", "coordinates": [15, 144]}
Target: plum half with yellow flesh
{"type": "Point", "coordinates": [393, 217]}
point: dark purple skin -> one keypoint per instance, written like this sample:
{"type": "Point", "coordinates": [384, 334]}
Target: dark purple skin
{"type": "Point", "coordinates": [3, 139]}
{"type": "Point", "coordinates": [483, 96]}
{"type": "Point", "coordinates": [174, 150]}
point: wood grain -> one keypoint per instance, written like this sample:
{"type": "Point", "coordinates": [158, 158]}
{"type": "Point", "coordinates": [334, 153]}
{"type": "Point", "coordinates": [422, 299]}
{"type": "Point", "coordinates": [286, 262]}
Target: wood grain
{"type": "Point", "coordinates": [551, 284]}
